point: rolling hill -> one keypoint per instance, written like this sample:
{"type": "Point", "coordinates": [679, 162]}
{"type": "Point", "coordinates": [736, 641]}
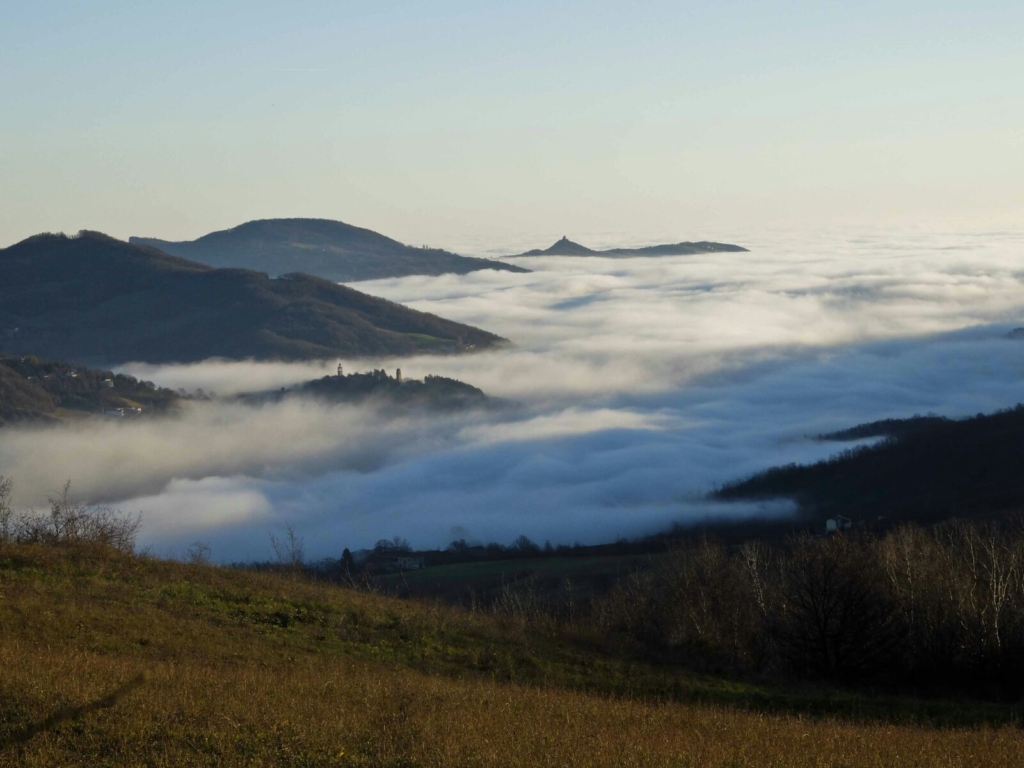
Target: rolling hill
{"type": "Point", "coordinates": [329, 249]}
{"type": "Point", "coordinates": [34, 390]}
{"type": "Point", "coordinates": [436, 392]}
{"type": "Point", "coordinates": [397, 394]}
{"type": "Point", "coordinates": [925, 469]}
{"type": "Point", "coordinates": [566, 247]}
{"type": "Point", "coordinates": [98, 300]}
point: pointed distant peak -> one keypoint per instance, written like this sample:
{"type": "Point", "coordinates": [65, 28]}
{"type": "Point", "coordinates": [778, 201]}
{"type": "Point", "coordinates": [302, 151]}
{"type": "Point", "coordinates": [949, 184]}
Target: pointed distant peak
{"type": "Point", "coordinates": [564, 247]}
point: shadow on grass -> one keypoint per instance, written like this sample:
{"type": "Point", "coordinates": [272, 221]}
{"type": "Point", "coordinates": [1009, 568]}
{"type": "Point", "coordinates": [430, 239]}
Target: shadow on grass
{"type": "Point", "coordinates": [72, 713]}
{"type": "Point", "coordinates": [664, 681]}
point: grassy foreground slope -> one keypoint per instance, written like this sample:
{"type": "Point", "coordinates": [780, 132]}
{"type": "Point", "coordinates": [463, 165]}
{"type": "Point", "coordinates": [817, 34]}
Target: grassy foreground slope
{"type": "Point", "coordinates": [223, 667]}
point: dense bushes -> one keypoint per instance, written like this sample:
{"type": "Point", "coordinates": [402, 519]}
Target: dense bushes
{"type": "Point", "coordinates": [935, 610]}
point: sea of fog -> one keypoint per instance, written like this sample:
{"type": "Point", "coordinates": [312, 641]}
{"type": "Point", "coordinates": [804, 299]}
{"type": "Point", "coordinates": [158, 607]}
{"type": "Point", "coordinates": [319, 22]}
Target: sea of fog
{"type": "Point", "coordinates": [642, 385]}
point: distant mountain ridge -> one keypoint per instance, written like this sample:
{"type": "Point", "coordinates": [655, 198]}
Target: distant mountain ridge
{"type": "Point", "coordinates": [566, 247]}
{"type": "Point", "coordinates": [97, 300]}
{"type": "Point", "coordinates": [329, 249]}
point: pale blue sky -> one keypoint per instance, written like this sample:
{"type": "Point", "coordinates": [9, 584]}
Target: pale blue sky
{"type": "Point", "coordinates": [437, 121]}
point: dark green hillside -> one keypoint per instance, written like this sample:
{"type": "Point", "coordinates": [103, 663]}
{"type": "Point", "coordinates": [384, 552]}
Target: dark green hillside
{"type": "Point", "coordinates": [38, 390]}
{"type": "Point", "coordinates": [432, 391]}
{"type": "Point", "coordinates": [927, 470]}
{"type": "Point", "coordinates": [436, 392]}
{"type": "Point", "coordinates": [566, 247]}
{"type": "Point", "coordinates": [101, 300]}
{"type": "Point", "coordinates": [329, 249]}
{"type": "Point", "coordinates": [886, 428]}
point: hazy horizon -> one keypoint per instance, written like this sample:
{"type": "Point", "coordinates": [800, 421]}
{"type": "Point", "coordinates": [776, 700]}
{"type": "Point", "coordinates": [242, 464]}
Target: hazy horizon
{"type": "Point", "coordinates": [454, 121]}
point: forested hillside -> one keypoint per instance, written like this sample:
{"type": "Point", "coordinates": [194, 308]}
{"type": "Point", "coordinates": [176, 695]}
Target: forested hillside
{"type": "Point", "coordinates": [35, 390]}
{"type": "Point", "coordinates": [98, 300]}
{"type": "Point", "coordinates": [432, 391]}
{"type": "Point", "coordinates": [927, 469]}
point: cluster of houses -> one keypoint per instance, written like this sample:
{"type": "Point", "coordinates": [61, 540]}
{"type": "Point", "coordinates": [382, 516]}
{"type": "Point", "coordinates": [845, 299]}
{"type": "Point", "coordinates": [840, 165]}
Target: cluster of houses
{"type": "Point", "coordinates": [392, 563]}
{"type": "Point", "coordinates": [377, 562]}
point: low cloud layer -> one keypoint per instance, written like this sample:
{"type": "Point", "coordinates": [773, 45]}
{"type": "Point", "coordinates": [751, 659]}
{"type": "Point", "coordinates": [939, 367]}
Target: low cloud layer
{"type": "Point", "coordinates": [644, 383]}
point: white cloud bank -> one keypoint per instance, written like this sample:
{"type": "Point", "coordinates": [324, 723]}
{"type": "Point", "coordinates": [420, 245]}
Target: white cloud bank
{"type": "Point", "coordinates": [645, 383]}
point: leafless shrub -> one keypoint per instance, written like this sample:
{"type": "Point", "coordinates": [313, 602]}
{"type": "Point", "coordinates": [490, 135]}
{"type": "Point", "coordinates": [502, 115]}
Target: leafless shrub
{"type": "Point", "coordinates": [522, 602]}
{"type": "Point", "coordinates": [629, 607]}
{"type": "Point", "coordinates": [198, 553]}
{"type": "Point", "coordinates": [70, 522]}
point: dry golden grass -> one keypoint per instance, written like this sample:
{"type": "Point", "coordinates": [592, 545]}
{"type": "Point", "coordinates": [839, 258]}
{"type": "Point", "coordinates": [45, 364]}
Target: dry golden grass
{"type": "Point", "coordinates": [232, 681]}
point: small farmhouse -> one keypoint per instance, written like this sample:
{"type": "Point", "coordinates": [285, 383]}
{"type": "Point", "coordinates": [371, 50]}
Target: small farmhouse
{"type": "Point", "coordinates": [838, 523]}
{"type": "Point", "coordinates": [387, 563]}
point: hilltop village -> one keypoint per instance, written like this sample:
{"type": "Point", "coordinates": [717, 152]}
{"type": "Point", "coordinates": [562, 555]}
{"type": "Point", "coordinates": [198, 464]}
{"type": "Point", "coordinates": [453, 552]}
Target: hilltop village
{"type": "Point", "coordinates": [436, 392]}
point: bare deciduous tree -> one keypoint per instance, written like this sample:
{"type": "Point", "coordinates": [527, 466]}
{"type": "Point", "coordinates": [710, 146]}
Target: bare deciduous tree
{"type": "Point", "coordinates": [289, 550]}
{"type": "Point", "coordinates": [836, 621]}
{"type": "Point", "coordinates": [198, 553]}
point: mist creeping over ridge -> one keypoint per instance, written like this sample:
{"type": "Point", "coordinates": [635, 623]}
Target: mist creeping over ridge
{"type": "Point", "coordinates": [645, 384]}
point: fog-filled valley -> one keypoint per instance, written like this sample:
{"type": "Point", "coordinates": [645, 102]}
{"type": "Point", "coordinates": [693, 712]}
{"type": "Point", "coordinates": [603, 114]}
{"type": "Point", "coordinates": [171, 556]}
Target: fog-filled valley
{"type": "Point", "coordinates": [635, 388]}
{"type": "Point", "coordinates": [503, 385]}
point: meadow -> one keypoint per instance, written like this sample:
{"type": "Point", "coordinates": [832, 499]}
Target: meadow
{"type": "Point", "coordinates": [116, 659]}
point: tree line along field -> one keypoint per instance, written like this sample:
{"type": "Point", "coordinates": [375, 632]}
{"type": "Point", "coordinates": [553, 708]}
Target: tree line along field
{"type": "Point", "coordinates": [111, 658]}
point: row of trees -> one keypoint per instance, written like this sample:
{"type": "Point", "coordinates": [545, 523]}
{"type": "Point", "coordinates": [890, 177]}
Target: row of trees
{"type": "Point", "coordinates": [920, 609]}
